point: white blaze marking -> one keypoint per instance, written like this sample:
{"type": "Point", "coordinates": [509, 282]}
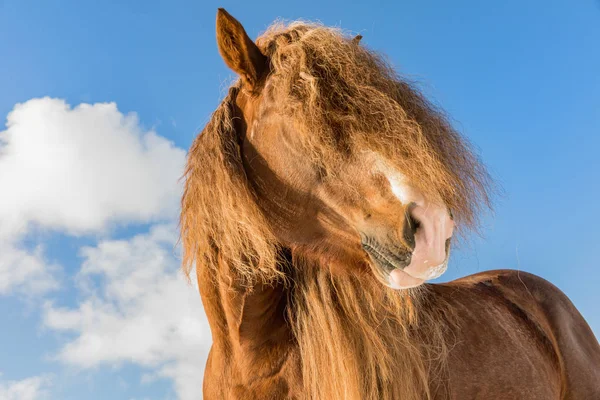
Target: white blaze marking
{"type": "Point", "coordinates": [399, 188]}
{"type": "Point", "coordinates": [398, 182]}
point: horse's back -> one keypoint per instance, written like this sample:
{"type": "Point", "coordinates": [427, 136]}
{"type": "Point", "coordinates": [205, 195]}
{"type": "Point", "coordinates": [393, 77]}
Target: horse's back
{"type": "Point", "coordinates": [528, 327]}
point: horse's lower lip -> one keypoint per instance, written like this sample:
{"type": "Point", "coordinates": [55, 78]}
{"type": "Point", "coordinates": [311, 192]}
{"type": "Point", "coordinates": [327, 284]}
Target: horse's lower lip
{"type": "Point", "coordinates": [400, 279]}
{"type": "Point", "coordinates": [386, 260]}
{"type": "Point", "coordinates": [383, 262]}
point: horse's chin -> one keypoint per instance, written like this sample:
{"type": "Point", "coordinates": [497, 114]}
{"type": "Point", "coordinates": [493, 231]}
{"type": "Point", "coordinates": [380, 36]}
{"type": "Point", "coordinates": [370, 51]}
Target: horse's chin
{"type": "Point", "coordinates": [403, 279]}
{"type": "Point", "coordinates": [392, 271]}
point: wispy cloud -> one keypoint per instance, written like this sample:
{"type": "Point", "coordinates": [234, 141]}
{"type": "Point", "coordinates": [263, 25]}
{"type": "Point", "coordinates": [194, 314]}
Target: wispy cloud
{"type": "Point", "coordinates": [26, 272]}
{"type": "Point", "coordinates": [32, 388]}
{"type": "Point", "coordinates": [144, 312]}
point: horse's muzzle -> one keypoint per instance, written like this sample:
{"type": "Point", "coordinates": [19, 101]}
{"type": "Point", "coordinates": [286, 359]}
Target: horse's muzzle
{"type": "Point", "coordinates": [405, 268]}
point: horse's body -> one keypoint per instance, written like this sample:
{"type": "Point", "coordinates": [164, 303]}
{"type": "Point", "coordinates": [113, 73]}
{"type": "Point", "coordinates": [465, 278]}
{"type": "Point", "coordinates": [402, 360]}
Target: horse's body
{"type": "Point", "coordinates": [515, 336]}
{"type": "Point", "coordinates": [321, 186]}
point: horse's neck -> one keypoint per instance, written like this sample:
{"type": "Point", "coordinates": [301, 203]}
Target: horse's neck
{"type": "Point", "coordinates": [247, 323]}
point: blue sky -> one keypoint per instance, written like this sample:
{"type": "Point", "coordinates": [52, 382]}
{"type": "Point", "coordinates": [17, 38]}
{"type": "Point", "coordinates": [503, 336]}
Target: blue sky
{"type": "Point", "coordinates": [91, 302]}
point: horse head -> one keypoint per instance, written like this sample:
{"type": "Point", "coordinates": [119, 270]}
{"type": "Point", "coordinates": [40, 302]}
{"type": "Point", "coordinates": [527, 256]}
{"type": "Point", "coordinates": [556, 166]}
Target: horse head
{"type": "Point", "coordinates": [344, 162]}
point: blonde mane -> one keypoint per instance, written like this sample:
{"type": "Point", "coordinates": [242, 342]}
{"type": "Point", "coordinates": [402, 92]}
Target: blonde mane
{"type": "Point", "coordinates": [357, 339]}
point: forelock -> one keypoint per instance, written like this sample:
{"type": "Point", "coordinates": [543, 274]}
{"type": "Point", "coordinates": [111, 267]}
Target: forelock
{"type": "Point", "coordinates": [346, 98]}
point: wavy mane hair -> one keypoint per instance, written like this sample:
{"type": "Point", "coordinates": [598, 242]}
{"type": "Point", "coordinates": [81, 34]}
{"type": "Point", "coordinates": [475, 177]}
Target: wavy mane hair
{"type": "Point", "coordinates": [370, 341]}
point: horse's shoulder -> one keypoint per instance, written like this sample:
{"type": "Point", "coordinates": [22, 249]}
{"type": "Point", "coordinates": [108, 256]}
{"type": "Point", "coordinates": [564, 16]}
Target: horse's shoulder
{"type": "Point", "coordinates": [534, 295]}
{"type": "Point", "coordinates": [515, 284]}
{"type": "Point", "coordinates": [548, 310]}
{"type": "Point", "coordinates": [531, 300]}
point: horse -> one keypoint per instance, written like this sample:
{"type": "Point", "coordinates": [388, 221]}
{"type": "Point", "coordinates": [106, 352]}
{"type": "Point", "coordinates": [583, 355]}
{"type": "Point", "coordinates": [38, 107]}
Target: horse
{"type": "Point", "coordinates": [319, 199]}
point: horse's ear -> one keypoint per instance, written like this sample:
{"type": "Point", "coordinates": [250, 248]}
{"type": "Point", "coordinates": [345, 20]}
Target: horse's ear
{"type": "Point", "coordinates": [239, 51]}
{"type": "Point", "coordinates": [356, 39]}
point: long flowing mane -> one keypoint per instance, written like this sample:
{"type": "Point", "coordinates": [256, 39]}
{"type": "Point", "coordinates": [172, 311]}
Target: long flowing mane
{"type": "Point", "coordinates": [357, 339]}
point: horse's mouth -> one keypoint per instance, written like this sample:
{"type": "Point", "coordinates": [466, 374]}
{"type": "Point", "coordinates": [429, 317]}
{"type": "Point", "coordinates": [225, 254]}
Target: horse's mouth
{"type": "Point", "coordinates": [384, 261]}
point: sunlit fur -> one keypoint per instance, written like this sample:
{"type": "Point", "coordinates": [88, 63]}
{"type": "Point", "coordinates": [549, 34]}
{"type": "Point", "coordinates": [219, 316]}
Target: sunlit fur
{"type": "Point", "coordinates": [346, 98]}
{"type": "Point", "coordinates": [361, 340]}
{"type": "Point", "coordinates": [357, 338]}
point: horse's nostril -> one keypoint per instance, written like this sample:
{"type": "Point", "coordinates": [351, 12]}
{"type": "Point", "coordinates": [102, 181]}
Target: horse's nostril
{"type": "Point", "coordinates": [410, 228]}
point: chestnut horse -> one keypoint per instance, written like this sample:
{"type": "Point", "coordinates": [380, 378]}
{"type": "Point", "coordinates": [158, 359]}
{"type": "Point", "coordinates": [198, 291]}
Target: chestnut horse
{"type": "Point", "coordinates": [319, 198]}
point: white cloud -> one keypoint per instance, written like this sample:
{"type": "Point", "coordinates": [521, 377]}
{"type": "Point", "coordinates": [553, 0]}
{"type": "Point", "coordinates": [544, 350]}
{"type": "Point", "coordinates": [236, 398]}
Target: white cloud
{"type": "Point", "coordinates": [76, 170]}
{"type": "Point", "coordinates": [25, 272]}
{"type": "Point", "coordinates": [33, 388]}
{"type": "Point", "coordinates": [137, 308]}
{"type": "Point", "coordinates": [79, 169]}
